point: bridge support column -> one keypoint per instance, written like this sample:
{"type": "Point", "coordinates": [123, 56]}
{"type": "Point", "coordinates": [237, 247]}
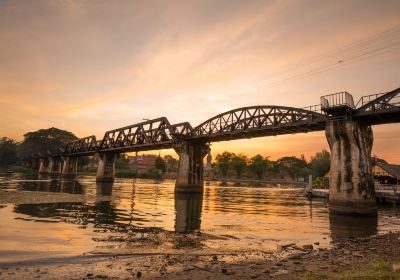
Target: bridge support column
{"type": "Point", "coordinates": [106, 167]}
{"type": "Point", "coordinates": [190, 172]}
{"type": "Point", "coordinates": [70, 166]}
{"type": "Point", "coordinates": [54, 166]}
{"type": "Point", "coordinates": [44, 164]}
{"type": "Point", "coordinates": [351, 182]}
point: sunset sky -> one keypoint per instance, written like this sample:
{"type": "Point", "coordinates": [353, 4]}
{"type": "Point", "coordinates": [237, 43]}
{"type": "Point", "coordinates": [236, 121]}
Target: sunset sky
{"type": "Point", "coordinates": [92, 66]}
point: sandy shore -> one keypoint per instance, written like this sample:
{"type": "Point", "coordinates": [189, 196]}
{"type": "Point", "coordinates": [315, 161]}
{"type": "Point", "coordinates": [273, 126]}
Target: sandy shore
{"type": "Point", "coordinates": [288, 263]}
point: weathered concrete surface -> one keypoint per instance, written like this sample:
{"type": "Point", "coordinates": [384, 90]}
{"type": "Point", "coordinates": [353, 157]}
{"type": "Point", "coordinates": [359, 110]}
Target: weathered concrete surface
{"type": "Point", "coordinates": [54, 166]}
{"type": "Point", "coordinates": [351, 182]}
{"type": "Point", "coordinates": [106, 167]}
{"type": "Point", "coordinates": [69, 167]}
{"type": "Point", "coordinates": [190, 172]}
{"type": "Point", "coordinates": [44, 165]}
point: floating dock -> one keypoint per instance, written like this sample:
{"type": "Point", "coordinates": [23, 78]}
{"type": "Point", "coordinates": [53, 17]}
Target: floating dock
{"type": "Point", "coordinates": [382, 195]}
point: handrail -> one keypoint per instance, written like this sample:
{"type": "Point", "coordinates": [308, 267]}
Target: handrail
{"type": "Point", "coordinates": [337, 99]}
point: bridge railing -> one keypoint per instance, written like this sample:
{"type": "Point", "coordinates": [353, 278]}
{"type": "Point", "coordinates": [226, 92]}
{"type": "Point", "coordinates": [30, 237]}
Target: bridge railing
{"type": "Point", "coordinates": [314, 108]}
{"type": "Point", "coordinates": [337, 100]}
{"type": "Point", "coordinates": [367, 98]}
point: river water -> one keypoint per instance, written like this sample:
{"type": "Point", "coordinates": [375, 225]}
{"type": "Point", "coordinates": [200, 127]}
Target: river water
{"type": "Point", "coordinates": [147, 216]}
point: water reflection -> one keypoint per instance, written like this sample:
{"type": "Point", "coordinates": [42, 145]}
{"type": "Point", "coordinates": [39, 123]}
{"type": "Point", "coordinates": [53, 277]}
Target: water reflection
{"type": "Point", "coordinates": [188, 212]}
{"type": "Point", "coordinates": [104, 188]}
{"type": "Point", "coordinates": [243, 215]}
{"type": "Point", "coordinates": [342, 227]}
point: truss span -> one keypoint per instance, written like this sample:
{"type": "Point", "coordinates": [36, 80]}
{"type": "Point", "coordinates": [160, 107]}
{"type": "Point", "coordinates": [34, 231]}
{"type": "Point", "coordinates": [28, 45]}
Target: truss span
{"type": "Point", "coordinates": [380, 108]}
{"type": "Point", "coordinates": [149, 135]}
{"type": "Point", "coordinates": [84, 146]}
{"type": "Point", "coordinates": [259, 121]}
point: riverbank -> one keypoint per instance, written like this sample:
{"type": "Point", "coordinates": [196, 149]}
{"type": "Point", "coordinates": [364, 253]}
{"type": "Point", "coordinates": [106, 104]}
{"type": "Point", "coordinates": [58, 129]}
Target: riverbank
{"type": "Point", "coordinates": [377, 257]}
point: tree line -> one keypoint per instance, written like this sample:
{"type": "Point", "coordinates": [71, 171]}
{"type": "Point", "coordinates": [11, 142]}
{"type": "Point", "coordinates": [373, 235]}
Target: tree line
{"type": "Point", "coordinates": [229, 164]}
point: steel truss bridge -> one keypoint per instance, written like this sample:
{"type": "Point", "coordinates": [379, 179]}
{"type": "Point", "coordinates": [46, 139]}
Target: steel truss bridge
{"type": "Point", "coordinates": [241, 123]}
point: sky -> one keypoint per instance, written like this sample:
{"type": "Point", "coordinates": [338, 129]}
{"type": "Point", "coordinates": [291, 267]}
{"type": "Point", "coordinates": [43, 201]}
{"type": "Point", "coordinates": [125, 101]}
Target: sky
{"type": "Point", "coordinates": [93, 66]}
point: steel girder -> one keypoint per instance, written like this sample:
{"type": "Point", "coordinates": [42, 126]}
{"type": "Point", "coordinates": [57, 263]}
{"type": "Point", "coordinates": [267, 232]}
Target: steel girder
{"type": "Point", "coordinates": [258, 121]}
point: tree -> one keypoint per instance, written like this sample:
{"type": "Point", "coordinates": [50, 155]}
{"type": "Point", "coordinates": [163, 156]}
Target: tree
{"type": "Point", "coordinates": [171, 162]}
{"type": "Point", "coordinates": [8, 151]}
{"type": "Point", "coordinates": [44, 140]}
{"type": "Point", "coordinates": [223, 162]}
{"type": "Point", "coordinates": [320, 163]}
{"type": "Point", "coordinates": [294, 166]}
{"type": "Point", "coordinates": [122, 162]}
{"type": "Point", "coordinates": [239, 163]}
{"type": "Point", "coordinates": [259, 165]}
{"type": "Point", "coordinates": [160, 165]}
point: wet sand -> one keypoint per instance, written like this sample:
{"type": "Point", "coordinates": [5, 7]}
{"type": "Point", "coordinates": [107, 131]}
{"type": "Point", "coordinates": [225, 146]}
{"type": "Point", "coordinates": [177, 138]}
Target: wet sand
{"type": "Point", "coordinates": [288, 262]}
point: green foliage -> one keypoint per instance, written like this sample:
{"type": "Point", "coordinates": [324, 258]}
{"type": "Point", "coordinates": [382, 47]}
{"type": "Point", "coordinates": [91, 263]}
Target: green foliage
{"type": "Point", "coordinates": [172, 163]}
{"type": "Point", "coordinates": [122, 162]}
{"type": "Point", "coordinates": [239, 164]}
{"type": "Point", "coordinates": [259, 165]}
{"type": "Point", "coordinates": [320, 163]}
{"type": "Point", "coordinates": [223, 162]}
{"type": "Point", "coordinates": [125, 173]}
{"type": "Point", "coordinates": [8, 151]}
{"type": "Point", "coordinates": [294, 166]}
{"type": "Point", "coordinates": [44, 140]}
{"type": "Point", "coordinates": [376, 270]}
{"type": "Point", "coordinates": [160, 165]}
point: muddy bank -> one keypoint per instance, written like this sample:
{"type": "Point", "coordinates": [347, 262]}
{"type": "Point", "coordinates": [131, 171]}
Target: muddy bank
{"type": "Point", "coordinates": [290, 261]}
{"type": "Point", "coordinates": [36, 197]}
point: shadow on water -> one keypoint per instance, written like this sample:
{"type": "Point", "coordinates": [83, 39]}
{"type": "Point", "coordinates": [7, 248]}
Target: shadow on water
{"type": "Point", "coordinates": [188, 209]}
{"type": "Point", "coordinates": [104, 188]}
{"type": "Point", "coordinates": [343, 227]}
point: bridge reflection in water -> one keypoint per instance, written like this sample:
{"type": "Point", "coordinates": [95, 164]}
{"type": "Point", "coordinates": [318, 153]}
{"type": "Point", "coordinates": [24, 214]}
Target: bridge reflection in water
{"type": "Point", "coordinates": [130, 208]}
{"type": "Point", "coordinates": [343, 227]}
{"type": "Point", "coordinates": [188, 208]}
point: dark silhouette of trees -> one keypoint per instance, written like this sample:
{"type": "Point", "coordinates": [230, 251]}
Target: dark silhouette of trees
{"type": "Point", "coordinates": [259, 165]}
{"type": "Point", "coordinates": [320, 163]}
{"type": "Point", "coordinates": [8, 151]}
{"type": "Point", "coordinates": [239, 164]}
{"type": "Point", "coordinates": [44, 140]}
{"type": "Point", "coordinates": [294, 166]}
{"type": "Point", "coordinates": [223, 163]}
{"type": "Point", "coordinates": [160, 165]}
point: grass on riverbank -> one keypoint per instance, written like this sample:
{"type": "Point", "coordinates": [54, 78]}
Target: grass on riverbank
{"type": "Point", "coordinates": [377, 270]}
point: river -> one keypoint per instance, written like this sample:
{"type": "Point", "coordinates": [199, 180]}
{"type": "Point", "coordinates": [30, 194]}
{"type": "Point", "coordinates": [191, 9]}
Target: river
{"type": "Point", "coordinates": [147, 216]}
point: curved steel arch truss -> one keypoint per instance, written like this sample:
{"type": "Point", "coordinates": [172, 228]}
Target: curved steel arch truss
{"type": "Point", "coordinates": [258, 121]}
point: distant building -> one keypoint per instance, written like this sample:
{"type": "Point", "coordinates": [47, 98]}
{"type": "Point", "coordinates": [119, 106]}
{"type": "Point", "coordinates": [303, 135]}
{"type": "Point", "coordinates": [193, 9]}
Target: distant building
{"type": "Point", "coordinates": [143, 163]}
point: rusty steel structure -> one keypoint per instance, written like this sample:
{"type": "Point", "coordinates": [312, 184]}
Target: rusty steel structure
{"type": "Point", "coordinates": [241, 123]}
{"type": "Point", "coordinates": [258, 121]}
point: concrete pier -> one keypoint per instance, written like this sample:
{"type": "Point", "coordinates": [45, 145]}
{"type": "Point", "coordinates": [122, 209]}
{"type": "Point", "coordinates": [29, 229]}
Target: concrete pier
{"type": "Point", "coordinates": [70, 166]}
{"type": "Point", "coordinates": [44, 164]}
{"type": "Point", "coordinates": [351, 182]}
{"type": "Point", "coordinates": [54, 166]}
{"type": "Point", "coordinates": [106, 167]}
{"type": "Point", "coordinates": [190, 173]}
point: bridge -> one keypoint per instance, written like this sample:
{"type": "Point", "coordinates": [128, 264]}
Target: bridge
{"type": "Point", "coordinates": [347, 126]}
